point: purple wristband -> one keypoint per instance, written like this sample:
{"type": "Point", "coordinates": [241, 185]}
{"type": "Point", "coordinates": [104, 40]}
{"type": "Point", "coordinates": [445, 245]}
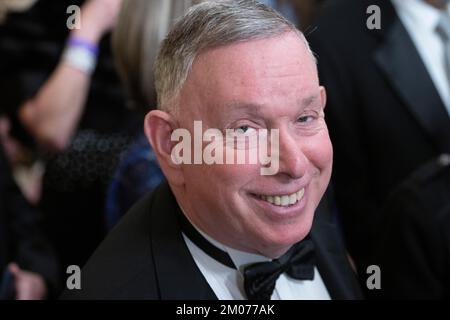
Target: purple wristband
{"type": "Point", "coordinates": [76, 42]}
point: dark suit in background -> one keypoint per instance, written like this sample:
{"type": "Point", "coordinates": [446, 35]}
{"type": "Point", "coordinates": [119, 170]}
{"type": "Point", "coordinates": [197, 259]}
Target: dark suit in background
{"type": "Point", "coordinates": [145, 257]}
{"type": "Point", "coordinates": [385, 116]}
{"type": "Point", "coordinates": [414, 251]}
{"type": "Point", "coordinates": [21, 240]}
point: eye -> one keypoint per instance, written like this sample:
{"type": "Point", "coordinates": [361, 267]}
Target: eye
{"type": "Point", "coordinates": [244, 130]}
{"type": "Point", "coordinates": [305, 119]}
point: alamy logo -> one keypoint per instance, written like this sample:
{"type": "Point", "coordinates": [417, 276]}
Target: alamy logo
{"type": "Point", "coordinates": [74, 20]}
{"type": "Point", "coordinates": [374, 20]}
{"type": "Point", "coordinates": [74, 280]}
{"type": "Point", "coordinates": [374, 280]}
{"type": "Point", "coordinates": [235, 147]}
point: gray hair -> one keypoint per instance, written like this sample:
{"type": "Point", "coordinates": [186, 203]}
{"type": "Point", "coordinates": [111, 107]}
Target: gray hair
{"type": "Point", "coordinates": [208, 25]}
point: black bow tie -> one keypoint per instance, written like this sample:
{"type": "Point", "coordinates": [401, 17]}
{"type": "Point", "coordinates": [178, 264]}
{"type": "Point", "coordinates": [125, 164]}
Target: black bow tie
{"type": "Point", "coordinates": [260, 278]}
{"type": "Point", "coordinates": [298, 263]}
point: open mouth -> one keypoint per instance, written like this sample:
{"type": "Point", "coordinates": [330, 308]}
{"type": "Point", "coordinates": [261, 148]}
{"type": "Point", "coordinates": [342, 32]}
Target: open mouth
{"type": "Point", "coordinates": [283, 200]}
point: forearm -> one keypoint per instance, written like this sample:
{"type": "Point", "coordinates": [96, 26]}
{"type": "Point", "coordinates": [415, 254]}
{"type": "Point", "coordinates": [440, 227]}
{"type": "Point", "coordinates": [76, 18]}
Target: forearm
{"type": "Point", "coordinates": [53, 114]}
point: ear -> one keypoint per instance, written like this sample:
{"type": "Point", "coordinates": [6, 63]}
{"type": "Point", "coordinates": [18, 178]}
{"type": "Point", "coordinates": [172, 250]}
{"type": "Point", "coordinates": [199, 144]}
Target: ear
{"type": "Point", "coordinates": [323, 96]}
{"type": "Point", "coordinates": [158, 126]}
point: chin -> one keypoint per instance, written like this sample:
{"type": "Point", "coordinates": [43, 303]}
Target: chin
{"type": "Point", "coordinates": [278, 241]}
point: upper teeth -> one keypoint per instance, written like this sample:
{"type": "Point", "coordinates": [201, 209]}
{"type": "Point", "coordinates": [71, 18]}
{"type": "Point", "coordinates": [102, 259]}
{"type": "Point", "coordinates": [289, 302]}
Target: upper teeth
{"type": "Point", "coordinates": [286, 200]}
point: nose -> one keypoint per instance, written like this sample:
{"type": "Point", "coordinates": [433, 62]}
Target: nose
{"type": "Point", "coordinates": [293, 163]}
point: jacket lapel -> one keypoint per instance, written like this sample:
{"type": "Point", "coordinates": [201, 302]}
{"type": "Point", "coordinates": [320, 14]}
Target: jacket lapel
{"type": "Point", "coordinates": [332, 263]}
{"type": "Point", "coordinates": [401, 64]}
{"type": "Point", "coordinates": [177, 278]}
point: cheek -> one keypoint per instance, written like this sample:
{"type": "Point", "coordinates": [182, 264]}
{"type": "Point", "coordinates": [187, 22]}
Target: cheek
{"type": "Point", "coordinates": [319, 151]}
{"type": "Point", "coordinates": [222, 179]}
{"type": "Point", "coordinates": [236, 176]}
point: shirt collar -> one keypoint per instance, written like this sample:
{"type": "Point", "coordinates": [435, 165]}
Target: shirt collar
{"type": "Point", "coordinates": [421, 14]}
{"type": "Point", "coordinates": [240, 258]}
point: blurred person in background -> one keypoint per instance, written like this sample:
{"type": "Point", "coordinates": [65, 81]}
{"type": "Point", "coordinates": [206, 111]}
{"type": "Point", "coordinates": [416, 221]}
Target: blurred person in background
{"type": "Point", "coordinates": [60, 90]}
{"type": "Point", "coordinates": [28, 266]}
{"type": "Point", "coordinates": [7, 6]}
{"type": "Point", "coordinates": [413, 251]}
{"type": "Point", "coordinates": [299, 12]}
{"type": "Point", "coordinates": [286, 8]}
{"type": "Point", "coordinates": [388, 103]}
{"type": "Point", "coordinates": [140, 29]}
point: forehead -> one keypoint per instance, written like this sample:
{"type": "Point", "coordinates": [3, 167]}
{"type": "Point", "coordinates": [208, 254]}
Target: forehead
{"type": "Point", "coordinates": [258, 71]}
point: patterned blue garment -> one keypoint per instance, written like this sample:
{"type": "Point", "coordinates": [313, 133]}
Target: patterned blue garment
{"type": "Point", "coordinates": [138, 173]}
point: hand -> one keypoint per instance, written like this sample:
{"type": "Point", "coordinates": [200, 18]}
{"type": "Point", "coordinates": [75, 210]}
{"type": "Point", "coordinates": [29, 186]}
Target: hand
{"type": "Point", "coordinates": [97, 18]}
{"type": "Point", "coordinates": [14, 150]}
{"type": "Point", "coordinates": [28, 285]}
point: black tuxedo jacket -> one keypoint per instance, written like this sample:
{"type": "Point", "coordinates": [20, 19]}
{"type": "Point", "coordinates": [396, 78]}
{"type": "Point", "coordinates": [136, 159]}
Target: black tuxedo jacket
{"type": "Point", "coordinates": [21, 239]}
{"type": "Point", "coordinates": [385, 116]}
{"type": "Point", "coordinates": [145, 257]}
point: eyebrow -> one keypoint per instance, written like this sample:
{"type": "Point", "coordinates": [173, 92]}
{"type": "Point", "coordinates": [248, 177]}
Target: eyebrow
{"type": "Point", "coordinates": [250, 108]}
{"type": "Point", "coordinates": [254, 108]}
{"type": "Point", "coordinates": [310, 100]}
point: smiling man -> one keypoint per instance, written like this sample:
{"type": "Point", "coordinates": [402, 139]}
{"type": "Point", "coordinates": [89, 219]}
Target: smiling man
{"type": "Point", "coordinates": [225, 230]}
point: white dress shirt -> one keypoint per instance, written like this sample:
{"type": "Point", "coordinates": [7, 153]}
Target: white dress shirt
{"type": "Point", "coordinates": [420, 20]}
{"type": "Point", "coordinates": [228, 283]}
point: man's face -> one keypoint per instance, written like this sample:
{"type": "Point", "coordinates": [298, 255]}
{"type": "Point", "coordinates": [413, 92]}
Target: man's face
{"type": "Point", "coordinates": [262, 84]}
